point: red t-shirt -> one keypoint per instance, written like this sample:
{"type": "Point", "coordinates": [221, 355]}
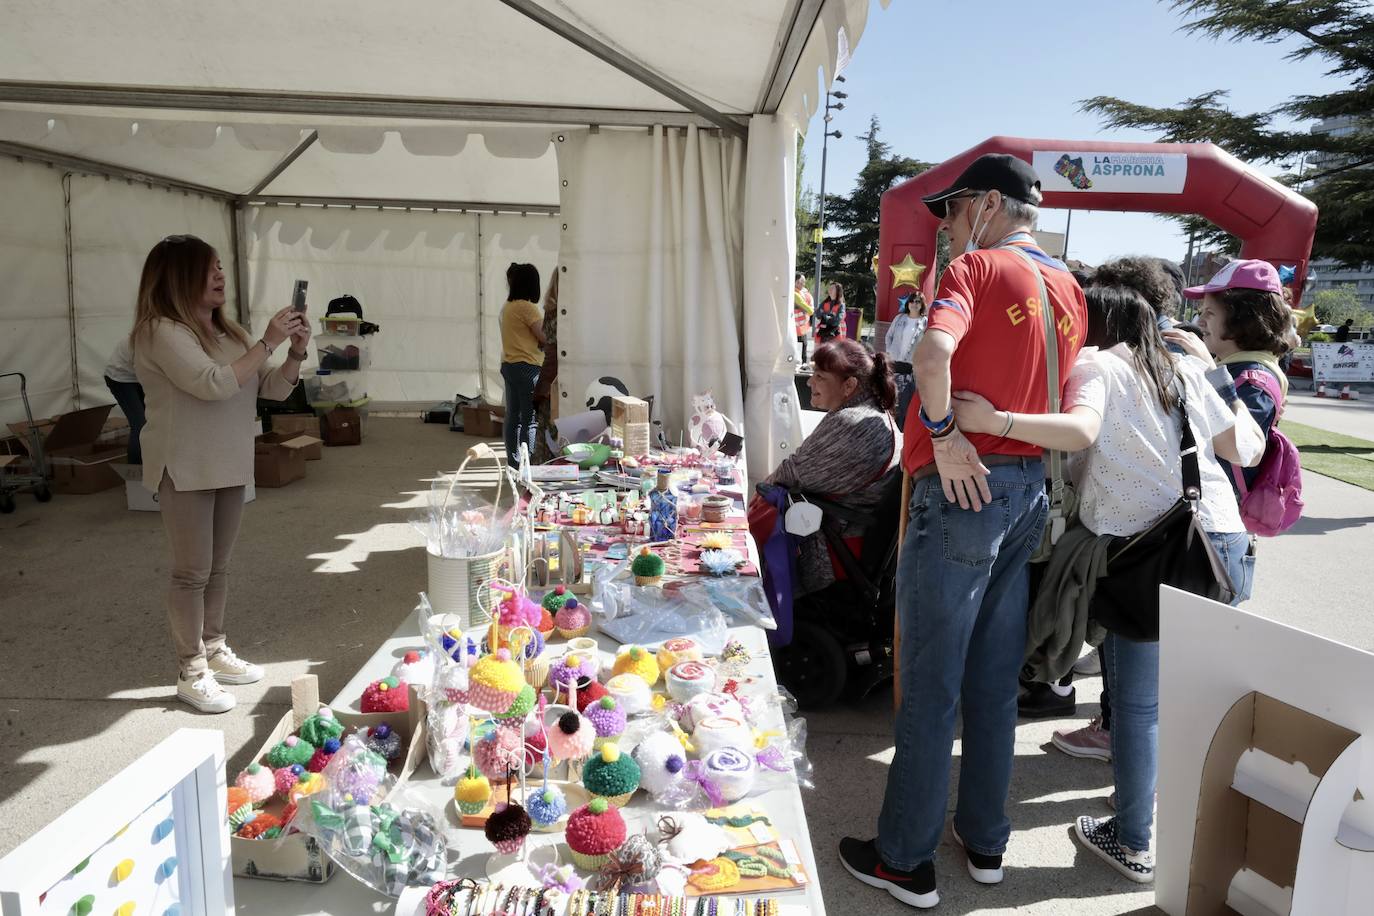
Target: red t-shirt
{"type": "Point", "coordinates": [988, 302]}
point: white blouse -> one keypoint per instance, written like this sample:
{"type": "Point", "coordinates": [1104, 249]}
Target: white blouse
{"type": "Point", "coordinates": [1133, 473]}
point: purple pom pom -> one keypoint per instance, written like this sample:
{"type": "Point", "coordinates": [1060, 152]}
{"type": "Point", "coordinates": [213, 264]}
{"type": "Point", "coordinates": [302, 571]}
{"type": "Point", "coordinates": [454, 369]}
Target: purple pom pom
{"type": "Point", "coordinates": [331, 745]}
{"type": "Point", "coordinates": [673, 764]}
{"type": "Point", "coordinates": [381, 731]}
{"type": "Point", "coordinates": [297, 769]}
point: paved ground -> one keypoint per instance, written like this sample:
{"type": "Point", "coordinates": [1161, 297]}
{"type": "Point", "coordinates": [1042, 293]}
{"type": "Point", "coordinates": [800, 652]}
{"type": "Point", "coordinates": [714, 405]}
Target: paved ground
{"type": "Point", "coordinates": [326, 567]}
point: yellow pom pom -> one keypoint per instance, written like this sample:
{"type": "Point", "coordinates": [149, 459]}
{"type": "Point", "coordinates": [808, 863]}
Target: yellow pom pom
{"type": "Point", "coordinates": [636, 660]}
{"type": "Point", "coordinates": [610, 752]}
{"type": "Point", "coordinates": [472, 789]}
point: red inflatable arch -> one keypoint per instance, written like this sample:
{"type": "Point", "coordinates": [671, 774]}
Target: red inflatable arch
{"type": "Point", "coordinates": [1273, 222]}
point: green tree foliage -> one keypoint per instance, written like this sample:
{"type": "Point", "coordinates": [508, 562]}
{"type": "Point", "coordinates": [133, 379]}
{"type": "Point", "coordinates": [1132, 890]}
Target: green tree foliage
{"type": "Point", "coordinates": [1338, 32]}
{"type": "Point", "coordinates": [1334, 306]}
{"type": "Point", "coordinates": [805, 207]}
{"type": "Point", "coordinates": [849, 251]}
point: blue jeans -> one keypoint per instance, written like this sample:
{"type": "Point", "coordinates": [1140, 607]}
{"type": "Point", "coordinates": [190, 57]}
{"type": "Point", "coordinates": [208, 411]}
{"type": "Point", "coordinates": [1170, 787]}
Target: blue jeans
{"type": "Point", "coordinates": [129, 397]}
{"type": "Point", "coordinates": [1132, 673]}
{"type": "Point", "coordinates": [962, 594]}
{"type": "Point", "coordinates": [520, 380]}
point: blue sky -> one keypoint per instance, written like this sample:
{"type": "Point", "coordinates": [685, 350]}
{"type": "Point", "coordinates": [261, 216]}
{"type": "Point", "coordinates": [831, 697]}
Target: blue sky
{"type": "Point", "coordinates": [943, 75]}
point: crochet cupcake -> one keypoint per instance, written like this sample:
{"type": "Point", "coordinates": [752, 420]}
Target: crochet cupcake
{"type": "Point", "coordinates": [594, 831]}
{"type": "Point", "coordinates": [286, 778]}
{"type": "Point", "coordinates": [289, 752]}
{"type": "Point", "coordinates": [415, 667]}
{"type": "Point", "coordinates": [323, 755]}
{"type": "Point", "coordinates": [498, 754]}
{"type": "Point", "coordinates": [472, 792]}
{"type": "Point", "coordinates": [679, 649]}
{"type": "Point", "coordinates": [636, 660]}
{"type": "Point", "coordinates": [607, 718]}
{"type": "Point", "coordinates": [496, 682]}
{"type": "Point", "coordinates": [661, 759]}
{"type": "Point", "coordinates": [258, 781]}
{"type": "Point", "coordinates": [553, 602]}
{"type": "Point", "coordinates": [320, 727]}
{"type": "Point", "coordinates": [611, 774]}
{"type": "Point", "coordinates": [572, 620]}
{"type": "Point", "coordinates": [572, 737]}
{"type": "Point", "coordinates": [547, 806]}
{"type": "Point", "coordinates": [648, 568]}
{"type": "Point", "coordinates": [523, 703]}
{"type": "Point", "coordinates": [383, 741]}
{"type": "Point", "coordinates": [589, 693]}
{"type": "Point", "coordinates": [572, 666]}
{"type": "Point", "coordinates": [632, 693]}
{"type": "Point", "coordinates": [387, 695]}
{"type": "Point", "coordinates": [507, 827]}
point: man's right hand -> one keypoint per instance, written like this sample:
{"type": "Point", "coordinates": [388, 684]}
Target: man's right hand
{"type": "Point", "coordinates": [962, 473]}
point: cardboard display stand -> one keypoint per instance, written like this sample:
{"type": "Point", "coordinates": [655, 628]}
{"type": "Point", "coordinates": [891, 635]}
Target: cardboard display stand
{"type": "Point", "coordinates": [1265, 768]}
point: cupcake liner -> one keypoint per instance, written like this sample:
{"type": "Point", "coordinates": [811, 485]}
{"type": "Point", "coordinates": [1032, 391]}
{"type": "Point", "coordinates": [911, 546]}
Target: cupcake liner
{"type": "Point", "coordinates": [620, 801]}
{"type": "Point", "coordinates": [471, 807]}
{"type": "Point", "coordinates": [573, 634]}
{"type": "Point", "coordinates": [589, 862]}
{"type": "Point", "coordinates": [490, 699]}
{"type": "Point", "coordinates": [509, 846]}
{"type": "Point", "coordinates": [648, 580]}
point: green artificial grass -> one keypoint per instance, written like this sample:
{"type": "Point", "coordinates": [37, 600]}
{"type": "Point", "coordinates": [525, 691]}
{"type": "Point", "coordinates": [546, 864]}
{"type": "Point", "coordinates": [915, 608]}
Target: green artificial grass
{"type": "Point", "coordinates": [1332, 454]}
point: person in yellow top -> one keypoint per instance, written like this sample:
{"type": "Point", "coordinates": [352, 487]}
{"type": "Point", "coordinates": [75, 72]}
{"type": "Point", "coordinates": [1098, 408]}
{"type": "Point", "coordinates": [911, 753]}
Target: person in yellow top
{"type": "Point", "coordinates": [522, 355]}
{"type": "Point", "coordinates": [802, 309]}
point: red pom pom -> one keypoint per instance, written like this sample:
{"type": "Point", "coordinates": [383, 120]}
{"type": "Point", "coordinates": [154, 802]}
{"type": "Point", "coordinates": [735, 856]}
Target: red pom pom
{"type": "Point", "coordinates": [258, 826]}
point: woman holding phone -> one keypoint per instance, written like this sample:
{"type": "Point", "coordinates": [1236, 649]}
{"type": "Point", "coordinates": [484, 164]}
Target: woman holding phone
{"type": "Point", "coordinates": [202, 375]}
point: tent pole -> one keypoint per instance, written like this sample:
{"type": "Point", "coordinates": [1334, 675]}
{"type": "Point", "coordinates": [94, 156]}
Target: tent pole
{"type": "Point", "coordinates": [238, 237]}
{"type": "Point", "coordinates": [800, 22]}
{"type": "Point", "coordinates": [285, 163]}
{"type": "Point", "coordinates": [626, 65]}
{"type": "Point", "coordinates": [71, 286]}
{"type": "Point", "coordinates": [403, 202]}
{"type": "Point", "coordinates": [481, 320]}
{"type": "Point", "coordinates": [96, 167]}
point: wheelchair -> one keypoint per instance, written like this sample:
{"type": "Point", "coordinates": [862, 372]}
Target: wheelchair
{"type": "Point", "coordinates": [842, 636]}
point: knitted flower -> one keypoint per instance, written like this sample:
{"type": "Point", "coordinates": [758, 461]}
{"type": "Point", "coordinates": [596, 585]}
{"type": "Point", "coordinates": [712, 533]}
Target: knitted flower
{"type": "Point", "coordinates": [606, 717]}
{"type": "Point", "coordinates": [496, 682]}
{"type": "Point", "coordinates": [320, 727]}
{"type": "Point", "coordinates": [595, 829]}
{"type": "Point", "coordinates": [291, 751]}
{"type": "Point", "coordinates": [611, 773]}
{"type": "Point", "coordinates": [548, 805]}
{"type": "Point", "coordinates": [507, 827]}
{"type": "Point", "coordinates": [637, 660]}
{"type": "Point", "coordinates": [572, 737]}
{"type": "Point", "coordinates": [387, 695]}
{"type": "Point", "coordinates": [258, 781]}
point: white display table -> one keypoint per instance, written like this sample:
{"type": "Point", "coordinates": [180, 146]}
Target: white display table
{"type": "Point", "coordinates": [344, 896]}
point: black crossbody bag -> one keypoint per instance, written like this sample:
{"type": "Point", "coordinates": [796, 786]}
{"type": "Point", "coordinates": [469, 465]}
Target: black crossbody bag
{"type": "Point", "coordinates": [1174, 551]}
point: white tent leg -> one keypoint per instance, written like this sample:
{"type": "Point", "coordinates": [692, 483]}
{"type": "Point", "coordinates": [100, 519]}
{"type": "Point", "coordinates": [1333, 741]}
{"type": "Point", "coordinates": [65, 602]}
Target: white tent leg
{"type": "Point", "coordinates": [239, 237]}
{"type": "Point", "coordinates": [71, 287]}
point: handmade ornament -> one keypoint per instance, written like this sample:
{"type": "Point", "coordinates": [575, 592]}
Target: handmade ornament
{"type": "Point", "coordinates": [734, 658]}
{"type": "Point", "coordinates": [716, 540]}
{"type": "Point", "coordinates": [320, 727]}
{"type": "Point", "coordinates": [594, 831]}
{"type": "Point", "coordinates": [258, 781]}
{"type": "Point", "coordinates": [588, 692]}
{"type": "Point", "coordinates": [261, 825]}
{"type": "Point", "coordinates": [635, 864]}
{"type": "Point", "coordinates": [547, 806]}
{"type": "Point", "coordinates": [355, 772]}
{"type": "Point", "coordinates": [714, 877]}
{"type": "Point", "coordinates": [721, 562]}
{"type": "Point", "coordinates": [507, 827]}
{"type": "Point", "coordinates": [499, 752]}
{"type": "Point", "coordinates": [688, 679]}
{"type": "Point", "coordinates": [496, 682]}
{"type": "Point", "coordinates": [290, 751]}
{"type": "Point", "coordinates": [383, 740]}
{"type": "Point", "coordinates": [704, 706]}
{"type": "Point", "coordinates": [573, 665]}
{"type": "Point", "coordinates": [241, 815]}
{"type": "Point", "coordinates": [611, 774]}
{"type": "Point", "coordinates": [572, 620]}
{"type": "Point", "coordinates": [607, 718]}
{"type": "Point", "coordinates": [387, 695]}
{"type": "Point", "coordinates": [572, 736]}
{"type": "Point", "coordinates": [732, 770]}
{"type": "Point", "coordinates": [721, 731]}
{"type": "Point", "coordinates": [679, 649]}
{"type": "Point", "coordinates": [632, 693]}
{"type": "Point", "coordinates": [445, 735]}
{"type": "Point", "coordinates": [383, 847]}
{"type": "Point", "coordinates": [636, 660]}
{"type": "Point", "coordinates": [707, 426]}
{"type": "Point", "coordinates": [472, 792]}
{"type": "Point", "coordinates": [521, 706]}
{"type": "Point", "coordinates": [661, 759]}
{"type": "Point", "coordinates": [415, 667]}
{"type": "Point", "coordinates": [235, 798]}
{"type": "Point", "coordinates": [553, 602]}
{"type": "Point", "coordinates": [323, 754]}
{"type": "Point", "coordinates": [648, 568]}
{"type": "Point", "coordinates": [286, 777]}
{"type": "Point", "coordinates": [688, 837]}
{"type": "Point", "coordinates": [309, 784]}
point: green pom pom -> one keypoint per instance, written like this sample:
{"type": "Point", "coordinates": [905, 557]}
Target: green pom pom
{"type": "Point", "coordinates": [548, 796]}
{"type": "Point", "coordinates": [607, 702]}
{"type": "Point", "coordinates": [598, 806]}
{"type": "Point", "coordinates": [648, 565]}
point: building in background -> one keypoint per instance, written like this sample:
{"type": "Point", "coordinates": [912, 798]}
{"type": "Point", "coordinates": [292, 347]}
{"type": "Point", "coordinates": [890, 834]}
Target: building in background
{"type": "Point", "coordinates": [1325, 274]}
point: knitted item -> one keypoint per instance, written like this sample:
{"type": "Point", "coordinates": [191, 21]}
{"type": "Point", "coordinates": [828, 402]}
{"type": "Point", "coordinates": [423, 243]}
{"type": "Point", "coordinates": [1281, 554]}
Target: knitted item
{"type": "Point", "coordinates": [553, 602]}
{"type": "Point", "coordinates": [661, 760]}
{"type": "Point", "coordinates": [384, 741]}
{"type": "Point", "coordinates": [507, 827]}
{"type": "Point", "coordinates": [647, 568]}
{"type": "Point", "coordinates": [286, 777]}
{"type": "Point", "coordinates": [472, 792]}
{"type": "Point", "coordinates": [387, 695]}
{"type": "Point", "coordinates": [516, 610]}
{"type": "Point", "coordinates": [606, 717]}
{"type": "Point", "coordinates": [291, 751]}
{"type": "Point", "coordinates": [521, 705]}
{"type": "Point", "coordinates": [687, 679]}
{"type": "Point", "coordinates": [496, 682]}
{"type": "Point", "coordinates": [679, 649]}
{"type": "Point", "coordinates": [258, 781]}
{"type": "Point", "coordinates": [546, 624]}
{"type": "Point", "coordinates": [572, 737]}
{"type": "Point", "coordinates": [322, 756]}
{"type": "Point", "coordinates": [611, 774]}
{"type": "Point", "coordinates": [320, 727]}
{"type": "Point", "coordinates": [632, 693]}
{"type": "Point", "coordinates": [715, 876]}
{"type": "Point", "coordinates": [572, 620]}
{"type": "Point", "coordinates": [309, 784]}
{"type": "Point", "coordinates": [536, 743]}
{"type": "Point", "coordinates": [732, 770]}
{"type": "Point", "coordinates": [259, 825]}
{"type": "Point", "coordinates": [498, 753]}
{"type": "Point", "coordinates": [589, 693]}
{"type": "Point", "coordinates": [415, 667]}
{"type": "Point", "coordinates": [236, 798]}
{"type": "Point", "coordinates": [547, 805]}
{"type": "Point", "coordinates": [637, 660]}
{"type": "Point", "coordinates": [572, 666]}
{"type": "Point", "coordinates": [595, 829]}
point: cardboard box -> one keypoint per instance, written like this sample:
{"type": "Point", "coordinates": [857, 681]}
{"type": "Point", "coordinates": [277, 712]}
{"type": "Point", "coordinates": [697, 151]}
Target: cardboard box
{"type": "Point", "coordinates": [278, 463]}
{"type": "Point", "coordinates": [482, 421]}
{"type": "Point", "coordinates": [299, 424]}
{"type": "Point", "coordinates": [297, 857]}
{"type": "Point", "coordinates": [139, 499]}
{"type": "Point", "coordinates": [630, 424]}
{"type": "Point", "coordinates": [313, 452]}
{"type": "Point", "coordinates": [343, 426]}
{"type": "Point", "coordinates": [77, 462]}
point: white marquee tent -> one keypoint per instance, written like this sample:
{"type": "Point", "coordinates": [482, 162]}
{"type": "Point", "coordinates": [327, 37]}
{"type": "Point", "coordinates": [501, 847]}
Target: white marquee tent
{"type": "Point", "coordinates": [406, 153]}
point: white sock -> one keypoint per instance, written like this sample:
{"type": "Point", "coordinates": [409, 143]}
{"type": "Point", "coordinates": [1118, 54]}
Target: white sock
{"type": "Point", "coordinates": [1061, 691]}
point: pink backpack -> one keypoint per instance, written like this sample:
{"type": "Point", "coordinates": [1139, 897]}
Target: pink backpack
{"type": "Point", "coordinates": [1274, 503]}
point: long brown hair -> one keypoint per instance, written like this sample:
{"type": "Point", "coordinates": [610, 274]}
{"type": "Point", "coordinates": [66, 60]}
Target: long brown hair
{"type": "Point", "coordinates": [1120, 314]}
{"type": "Point", "coordinates": [172, 286]}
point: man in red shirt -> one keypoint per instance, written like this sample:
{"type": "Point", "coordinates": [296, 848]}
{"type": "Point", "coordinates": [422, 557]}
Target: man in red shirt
{"type": "Point", "coordinates": [978, 505]}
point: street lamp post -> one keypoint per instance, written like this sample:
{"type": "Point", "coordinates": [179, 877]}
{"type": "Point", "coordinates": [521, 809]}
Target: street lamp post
{"type": "Point", "coordinates": [820, 219]}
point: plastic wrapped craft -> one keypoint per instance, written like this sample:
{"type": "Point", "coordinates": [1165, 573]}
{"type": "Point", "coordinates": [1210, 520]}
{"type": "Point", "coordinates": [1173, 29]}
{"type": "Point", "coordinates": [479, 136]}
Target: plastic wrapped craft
{"type": "Point", "coordinates": [386, 844]}
{"type": "Point", "coordinates": [446, 695]}
{"type": "Point", "coordinates": [460, 522]}
{"type": "Point", "coordinates": [742, 600]}
{"type": "Point", "coordinates": [648, 616]}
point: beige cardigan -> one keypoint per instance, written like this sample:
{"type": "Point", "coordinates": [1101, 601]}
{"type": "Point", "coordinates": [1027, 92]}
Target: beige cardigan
{"type": "Point", "coordinates": [199, 419]}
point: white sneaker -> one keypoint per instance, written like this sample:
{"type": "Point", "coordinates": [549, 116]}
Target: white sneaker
{"type": "Point", "coordinates": [205, 694]}
{"type": "Point", "coordinates": [1089, 665]}
{"type": "Point", "coordinates": [228, 668]}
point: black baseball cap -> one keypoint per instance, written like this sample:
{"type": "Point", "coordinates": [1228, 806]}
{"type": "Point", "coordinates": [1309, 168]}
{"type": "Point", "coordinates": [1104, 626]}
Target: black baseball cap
{"type": "Point", "coordinates": [991, 172]}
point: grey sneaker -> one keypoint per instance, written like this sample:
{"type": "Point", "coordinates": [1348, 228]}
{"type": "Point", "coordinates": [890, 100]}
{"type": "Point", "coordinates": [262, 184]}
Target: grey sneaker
{"type": "Point", "coordinates": [205, 694]}
{"type": "Point", "coordinates": [1089, 665]}
{"type": "Point", "coordinates": [228, 668]}
{"type": "Point", "coordinates": [1100, 835]}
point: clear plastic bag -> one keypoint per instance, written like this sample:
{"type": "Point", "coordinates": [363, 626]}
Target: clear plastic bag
{"type": "Point", "coordinates": [446, 718]}
{"type": "Point", "coordinates": [461, 522]}
{"type": "Point", "coordinates": [648, 616]}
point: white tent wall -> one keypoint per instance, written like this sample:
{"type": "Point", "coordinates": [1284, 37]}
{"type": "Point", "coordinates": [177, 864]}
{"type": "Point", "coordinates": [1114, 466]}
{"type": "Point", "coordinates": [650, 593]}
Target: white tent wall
{"type": "Point", "coordinates": [35, 322]}
{"type": "Point", "coordinates": [653, 286]}
{"type": "Point", "coordinates": [507, 237]}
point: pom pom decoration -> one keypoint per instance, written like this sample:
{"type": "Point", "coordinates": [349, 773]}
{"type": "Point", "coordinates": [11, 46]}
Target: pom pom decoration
{"type": "Point", "coordinates": [606, 717]}
{"type": "Point", "coordinates": [287, 777]}
{"type": "Point", "coordinates": [632, 693]}
{"type": "Point", "coordinates": [259, 825]}
{"type": "Point", "coordinates": [637, 660]}
{"type": "Point", "coordinates": [648, 568]}
{"type": "Point", "coordinates": [291, 751]}
{"type": "Point", "coordinates": [415, 667]}
{"type": "Point", "coordinates": [611, 774]}
{"type": "Point", "coordinates": [387, 695]}
{"type": "Point", "coordinates": [572, 620]}
{"type": "Point", "coordinates": [572, 666]}
{"type": "Point", "coordinates": [516, 610]}
{"type": "Point", "coordinates": [679, 649]}
{"type": "Point", "coordinates": [500, 752]}
{"type": "Point", "coordinates": [384, 741]}
{"type": "Point", "coordinates": [323, 755]}
{"type": "Point", "coordinates": [355, 771]}
{"type": "Point", "coordinates": [495, 681]}
{"type": "Point", "coordinates": [734, 658]}
{"type": "Point", "coordinates": [307, 785]}
{"type": "Point", "coordinates": [546, 624]}
{"type": "Point", "coordinates": [553, 602]}
{"type": "Point", "coordinates": [589, 693]}
{"type": "Point", "coordinates": [237, 798]}
{"type": "Point", "coordinates": [258, 781]}
{"type": "Point", "coordinates": [547, 806]}
{"type": "Point", "coordinates": [661, 759]}
{"type": "Point", "coordinates": [507, 827]}
{"type": "Point", "coordinates": [521, 706]}
{"type": "Point", "coordinates": [320, 727]}
{"type": "Point", "coordinates": [594, 831]}
{"type": "Point", "coordinates": [721, 562]}
{"type": "Point", "coordinates": [572, 738]}
{"type": "Point", "coordinates": [472, 792]}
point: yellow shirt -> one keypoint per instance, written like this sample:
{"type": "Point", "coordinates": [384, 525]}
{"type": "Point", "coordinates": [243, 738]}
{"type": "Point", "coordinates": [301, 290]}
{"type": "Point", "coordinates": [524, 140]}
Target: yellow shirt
{"type": "Point", "coordinates": [518, 344]}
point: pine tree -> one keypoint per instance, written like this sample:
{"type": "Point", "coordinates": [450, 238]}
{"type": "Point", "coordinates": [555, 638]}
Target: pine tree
{"type": "Point", "coordinates": [1336, 172]}
{"type": "Point", "coordinates": [848, 255]}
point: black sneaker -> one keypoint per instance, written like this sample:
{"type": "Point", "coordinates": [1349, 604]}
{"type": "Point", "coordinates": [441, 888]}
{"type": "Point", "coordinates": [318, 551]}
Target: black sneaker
{"type": "Point", "coordinates": [914, 888]}
{"type": "Point", "coordinates": [981, 868]}
{"type": "Point", "coordinates": [1039, 701]}
{"type": "Point", "coordinates": [1100, 835]}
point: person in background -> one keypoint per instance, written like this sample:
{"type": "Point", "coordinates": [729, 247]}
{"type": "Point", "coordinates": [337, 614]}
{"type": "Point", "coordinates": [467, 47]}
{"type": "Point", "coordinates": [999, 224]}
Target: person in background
{"type": "Point", "coordinates": [1343, 332]}
{"type": "Point", "coordinates": [522, 355]}
{"type": "Point", "coordinates": [1121, 414]}
{"type": "Point", "coordinates": [905, 331]}
{"type": "Point", "coordinates": [803, 307]}
{"type": "Point", "coordinates": [122, 380]}
{"type": "Point", "coordinates": [830, 315]}
{"type": "Point", "coordinates": [202, 375]}
{"type": "Point", "coordinates": [543, 390]}
{"type": "Point", "coordinates": [977, 508]}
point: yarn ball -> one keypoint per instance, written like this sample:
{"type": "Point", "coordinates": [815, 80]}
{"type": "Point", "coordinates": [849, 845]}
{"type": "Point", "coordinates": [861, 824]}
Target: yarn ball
{"type": "Point", "coordinates": [679, 649]}
{"type": "Point", "coordinates": [547, 805]}
{"type": "Point", "coordinates": [383, 740]}
{"type": "Point", "coordinates": [661, 759]}
{"type": "Point", "coordinates": [553, 602]}
{"type": "Point", "coordinates": [259, 825]}
{"type": "Point", "coordinates": [606, 717]}
{"type": "Point", "coordinates": [415, 667]}
{"type": "Point", "coordinates": [518, 611]}
{"type": "Point", "coordinates": [258, 781]}
{"type": "Point", "coordinates": [309, 784]}
{"type": "Point", "coordinates": [287, 777]}
{"type": "Point", "coordinates": [611, 773]}
{"type": "Point", "coordinates": [507, 827]}
{"type": "Point", "coordinates": [572, 666]}
{"type": "Point", "coordinates": [647, 564]}
{"type": "Point", "coordinates": [323, 755]}
{"type": "Point", "coordinates": [572, 738]}
{"type": "Point", "coordinates": [572, 618]}
{"type": "Point", "coordinates": [320, 727]}
{"type": "Point", "coordinates": [596, 828]}
{"type": "Point", "coordinates": [637, 660]}
{"type": "Point", "coordinates": [291, 751]}
{"type": "Point", "coordinates": [632, 693]}
{"type": "Point", "coordinates": [472, 792]}
{"type": "Point", "coordinates": [589, 692]}
{"type": "Point", "coordinates": [237, 798]}
{"type": "Point", "coordinates": [387, 695]}
{"type": "Point", "coordinates": [498, 753]}
{"type": "Point", "coordinates": [521, 705]}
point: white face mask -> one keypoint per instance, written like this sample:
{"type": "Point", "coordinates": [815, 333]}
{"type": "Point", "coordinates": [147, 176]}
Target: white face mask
{"type": "Point", "coordinates": [973, 239]}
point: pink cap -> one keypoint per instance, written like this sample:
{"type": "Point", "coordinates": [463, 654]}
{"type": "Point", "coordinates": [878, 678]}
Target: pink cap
{"type": "Point", "coordinates": [1252, 274]}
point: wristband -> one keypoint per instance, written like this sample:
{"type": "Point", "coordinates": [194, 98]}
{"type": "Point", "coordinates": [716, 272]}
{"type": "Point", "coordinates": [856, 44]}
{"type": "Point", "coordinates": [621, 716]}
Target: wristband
{"type": "Point", "coordinates": [298, 357]}
{"type": "Point", "coordinates": [1007, 432]}
{"type": "Point", "coordinates": [944, 433]}
{"type": "Point", "coordinates": [936, 429]}
{"type": "Point", "coordinates": [263, 341]}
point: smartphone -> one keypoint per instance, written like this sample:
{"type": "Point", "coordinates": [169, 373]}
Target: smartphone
{"type": "Point", "coordinates": [298, 295]}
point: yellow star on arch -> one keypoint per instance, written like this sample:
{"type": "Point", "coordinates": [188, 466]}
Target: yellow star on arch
{"type": "Point", "coordinates": [1306, 319]}
{"type": "Point", "coordinates": [907, 273]}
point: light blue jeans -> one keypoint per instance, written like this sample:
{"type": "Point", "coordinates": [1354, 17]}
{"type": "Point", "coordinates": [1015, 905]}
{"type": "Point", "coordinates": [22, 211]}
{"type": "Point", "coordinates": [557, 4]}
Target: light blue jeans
{"type": "Point", "coordinates": [1132, 673]}
{"type": "Point", "coordinates": [962, 593]}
